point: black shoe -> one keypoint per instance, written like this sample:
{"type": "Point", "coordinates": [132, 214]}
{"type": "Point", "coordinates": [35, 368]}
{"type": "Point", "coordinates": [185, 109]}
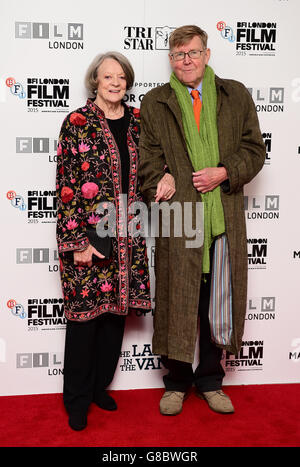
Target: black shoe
{"type": "Point", "coordinates": [105, 401]}
{"type": "Point", "coordinates": [77, 421]}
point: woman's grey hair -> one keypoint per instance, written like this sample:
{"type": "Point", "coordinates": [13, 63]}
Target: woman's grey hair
{"type": "Point", "coordinates": [91, 82]}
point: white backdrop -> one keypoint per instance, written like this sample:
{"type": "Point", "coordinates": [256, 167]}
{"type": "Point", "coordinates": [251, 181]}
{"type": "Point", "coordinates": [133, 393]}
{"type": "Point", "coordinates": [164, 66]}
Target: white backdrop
{"type": "Point", "coordinates": [46, 49]}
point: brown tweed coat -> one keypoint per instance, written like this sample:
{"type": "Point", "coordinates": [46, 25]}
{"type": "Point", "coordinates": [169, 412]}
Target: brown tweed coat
{"type": "Point", "coordinates": [177, 268]}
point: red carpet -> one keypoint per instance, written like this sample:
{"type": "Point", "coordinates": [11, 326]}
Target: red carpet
{"type": "Point", "coordinates": [265, 416]}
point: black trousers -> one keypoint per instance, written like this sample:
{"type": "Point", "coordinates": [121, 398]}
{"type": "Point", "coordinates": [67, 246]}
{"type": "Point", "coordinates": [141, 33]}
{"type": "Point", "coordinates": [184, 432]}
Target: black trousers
{"type": "Point", "coordinates": [92, 351]}
{"type": "Point", "coordinates": [209, 373]}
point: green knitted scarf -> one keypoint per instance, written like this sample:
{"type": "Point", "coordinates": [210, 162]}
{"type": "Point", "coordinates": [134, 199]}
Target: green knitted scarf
{"type": "Point", "coordinates": [203, 150]}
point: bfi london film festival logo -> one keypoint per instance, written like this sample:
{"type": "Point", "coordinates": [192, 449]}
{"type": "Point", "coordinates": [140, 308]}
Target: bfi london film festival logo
{"type": "Point", "coordinates": [17, 201]}
{"type": "Point", "coordinates": [261, 309]}
{"type": "Point", "coordinates": [44, 312]}
{"type": "Point", "coordinates": [257, 253]}
{"type": "Point", "coordinates": [268, 99]}
{"type": "Point", "coordinates": [53, 362]}
{"type": "Point", "coordinates": [41, 313]}
{"type": "Point", "coordinates": [28, 145]}
{"type": "Point", "coordinates": [42, 94]}
{"type": "Point", "coordinates": [16, 88]}
{"type": "Point", "coordinates": [16, 309]}
{"type": "Point", "coordinates": [250, 357]}
{"type": "Point", "coordinates": [251, 38]}
{"type": "Point", "coordinates": [40, 206]}
{"type": "Point", "coordinates": [147, 38]}
{"type": "Point", "coordinates": [56, 35]}
{"type": "Point", "coordinates": [261, 207]}
{"type": "Point", "coordinates": [41, 256]}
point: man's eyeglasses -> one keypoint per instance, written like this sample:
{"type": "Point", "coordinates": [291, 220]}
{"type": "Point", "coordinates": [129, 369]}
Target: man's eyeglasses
{"type": "Point", "coordinates": [178, 56]}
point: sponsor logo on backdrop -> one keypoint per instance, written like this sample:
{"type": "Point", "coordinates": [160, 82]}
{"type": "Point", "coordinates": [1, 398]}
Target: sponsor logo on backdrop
{"type": "Point", "coordinates": [261, 309]}
{"type": "Point", "coordinates": [250, 357]}
{"type": "Point", "coordinates": [56, 35]}
{"type": "Point", "coordinates": [42, 94]}
{"type": "Point", "coordinates": [294, 354]}
{"type": "Point", "coordinates": [47, 256]}
{"type": "Point", "coordinates": [46, 314]}
{"type": "Point", "coordinates": [147, 38]}
{"type": "Point", "coordinates": [52, 362]}
{"type": "Point", "coordinates": [139, 357]}
{"type": "Point", "coordinates": [40, 206]}
{"type": "Point", "coordinates": [251, 38]}
{"type": "Point", "coordinates": [136, 94]}
{"type": "Point", "coordinates": [29, 145]}
{"type": "Point", "coordinates": [257, 253]}
{"type": "Point", "coordinates": [267, 137]}
{"type": "Point", "coordinates": [262, 207]}
{"type": "Point", "coordinates": [268, 99]}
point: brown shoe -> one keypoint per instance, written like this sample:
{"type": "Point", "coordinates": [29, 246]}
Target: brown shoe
{"type": "Point", "coordinates": [171, 402]}
{"type": "Point", "coordinates": [217, 401]}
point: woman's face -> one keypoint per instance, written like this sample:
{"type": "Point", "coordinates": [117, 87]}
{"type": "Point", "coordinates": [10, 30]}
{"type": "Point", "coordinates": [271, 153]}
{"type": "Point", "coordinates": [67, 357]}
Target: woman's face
{"type": "Point", "coordinates": [111, 81]}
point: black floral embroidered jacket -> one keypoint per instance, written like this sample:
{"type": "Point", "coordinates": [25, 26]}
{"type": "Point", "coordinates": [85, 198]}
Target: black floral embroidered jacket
{"type": "Point", "coordinates": [89, 173]}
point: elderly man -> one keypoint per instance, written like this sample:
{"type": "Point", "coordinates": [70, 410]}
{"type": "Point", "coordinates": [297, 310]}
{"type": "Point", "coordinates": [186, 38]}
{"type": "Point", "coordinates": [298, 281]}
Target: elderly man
{"type": "Point", "coordinates": [204, 132]}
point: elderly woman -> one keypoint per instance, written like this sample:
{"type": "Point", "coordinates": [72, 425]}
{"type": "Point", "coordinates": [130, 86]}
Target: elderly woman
{"type": "Point", "coordinates": [102, 277]}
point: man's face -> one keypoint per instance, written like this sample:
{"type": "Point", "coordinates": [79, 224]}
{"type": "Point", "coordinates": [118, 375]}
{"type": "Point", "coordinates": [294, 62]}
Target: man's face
{"type": "Point", "coordinates": [190, 71]}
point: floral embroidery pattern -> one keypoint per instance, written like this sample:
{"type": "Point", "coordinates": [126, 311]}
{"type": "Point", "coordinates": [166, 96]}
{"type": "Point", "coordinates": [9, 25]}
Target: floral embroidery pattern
{"type": "Point", "coordinates": [89, 172]}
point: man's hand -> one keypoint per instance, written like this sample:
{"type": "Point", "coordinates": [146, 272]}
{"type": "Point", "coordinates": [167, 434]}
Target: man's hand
{"type": "Point", "coordinates": [165, 188]}
{"type": "Point", "coordinates": [84, 258]}
{"type": "Point", "coordinates": [209, 178]}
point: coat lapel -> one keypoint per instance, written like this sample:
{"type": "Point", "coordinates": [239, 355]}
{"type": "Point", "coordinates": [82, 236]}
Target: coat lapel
{"type": "Point", "coordinates": [221, 87]}
{"type": "Point", "coordinates": [170, 100]}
